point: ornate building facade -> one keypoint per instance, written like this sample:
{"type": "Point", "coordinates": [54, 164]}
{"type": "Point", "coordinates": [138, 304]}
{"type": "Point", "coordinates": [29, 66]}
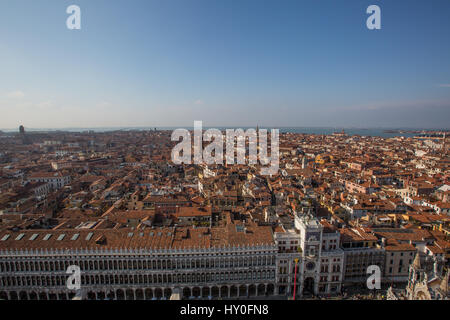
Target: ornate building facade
{"type": "Point", "coordinates": [421, 285]}
{"type": "Point", "coordinates": [118, 264]}
{"type": "Point", "coordinates": [238, 260]}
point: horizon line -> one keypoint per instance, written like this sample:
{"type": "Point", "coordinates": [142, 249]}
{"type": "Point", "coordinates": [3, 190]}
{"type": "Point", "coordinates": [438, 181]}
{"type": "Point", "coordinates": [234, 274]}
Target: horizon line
{"type": "Point", "coordinates": [231, 127]}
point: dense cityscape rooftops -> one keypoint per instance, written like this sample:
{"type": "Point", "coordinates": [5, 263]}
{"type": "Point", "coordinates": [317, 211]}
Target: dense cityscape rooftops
{"type": "Point", "coordinates": [362, 199]}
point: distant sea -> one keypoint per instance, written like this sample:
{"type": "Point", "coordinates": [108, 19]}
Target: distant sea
{"type": "Point", "coordinates": [375, 132]}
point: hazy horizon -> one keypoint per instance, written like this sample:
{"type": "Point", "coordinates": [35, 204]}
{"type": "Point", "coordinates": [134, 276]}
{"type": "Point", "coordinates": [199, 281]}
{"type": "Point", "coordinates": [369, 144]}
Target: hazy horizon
{"type": "Point", "coordinates": [111, 128]}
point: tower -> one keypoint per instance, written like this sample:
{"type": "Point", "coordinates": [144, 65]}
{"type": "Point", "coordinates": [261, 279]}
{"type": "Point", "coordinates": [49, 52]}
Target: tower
{"type": "Point", "coordinates": [444, 284]}
{"type": "Point", "coordinates": [416, 272]}
{"type": "Point", "coordinates": [304, 163]}
{"type": "Point", "coordinates": [444, 147]}
{"type": "Point", "coordinates": [417, 288]}
{"type": "Point", "coordinates": [310, 244]}
{"type": "Point", "coordinates": [23, 136]}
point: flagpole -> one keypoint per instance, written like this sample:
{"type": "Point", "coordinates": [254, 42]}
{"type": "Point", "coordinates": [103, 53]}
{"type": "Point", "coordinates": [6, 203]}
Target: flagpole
{"type": "Point", "coordinates": [295, 277]}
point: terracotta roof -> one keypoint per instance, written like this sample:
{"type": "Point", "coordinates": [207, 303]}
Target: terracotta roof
{"type": "Point", "coordinates": [231, 234]}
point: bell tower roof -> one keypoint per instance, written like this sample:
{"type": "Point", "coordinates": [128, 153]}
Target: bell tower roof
{"type": "Point", "coordinates": [416, 262]}
{"type": "Point", "coordinates": [444, 283]}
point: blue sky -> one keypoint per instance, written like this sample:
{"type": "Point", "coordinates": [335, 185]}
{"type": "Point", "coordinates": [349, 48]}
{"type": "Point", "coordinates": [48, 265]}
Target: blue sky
{"type": "Point", "coordinates": [226, 62]}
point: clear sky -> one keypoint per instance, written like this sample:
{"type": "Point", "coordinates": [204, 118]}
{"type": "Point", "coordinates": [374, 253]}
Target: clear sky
{"type": "Point", "coordinates": [226, 62]}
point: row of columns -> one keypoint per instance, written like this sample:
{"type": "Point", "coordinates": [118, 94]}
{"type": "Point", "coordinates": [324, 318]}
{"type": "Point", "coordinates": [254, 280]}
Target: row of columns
{"type": "Point", "coordinates": [226, 291]}
{"type": "Point", "coordinates": [117, 279]}
{"type": "Point", "coordinates": [125, 265]}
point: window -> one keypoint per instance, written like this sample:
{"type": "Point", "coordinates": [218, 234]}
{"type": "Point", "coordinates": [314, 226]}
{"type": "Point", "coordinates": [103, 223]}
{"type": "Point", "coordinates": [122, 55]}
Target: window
{"type": "Point", "coordinates": [75, 236]}
{"type": "Point", "coordinates": [5, 237]}
{"type": "Point", "coordinates": [34, 236]}
{"type": "Point", "coordinates": [20, 236]}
